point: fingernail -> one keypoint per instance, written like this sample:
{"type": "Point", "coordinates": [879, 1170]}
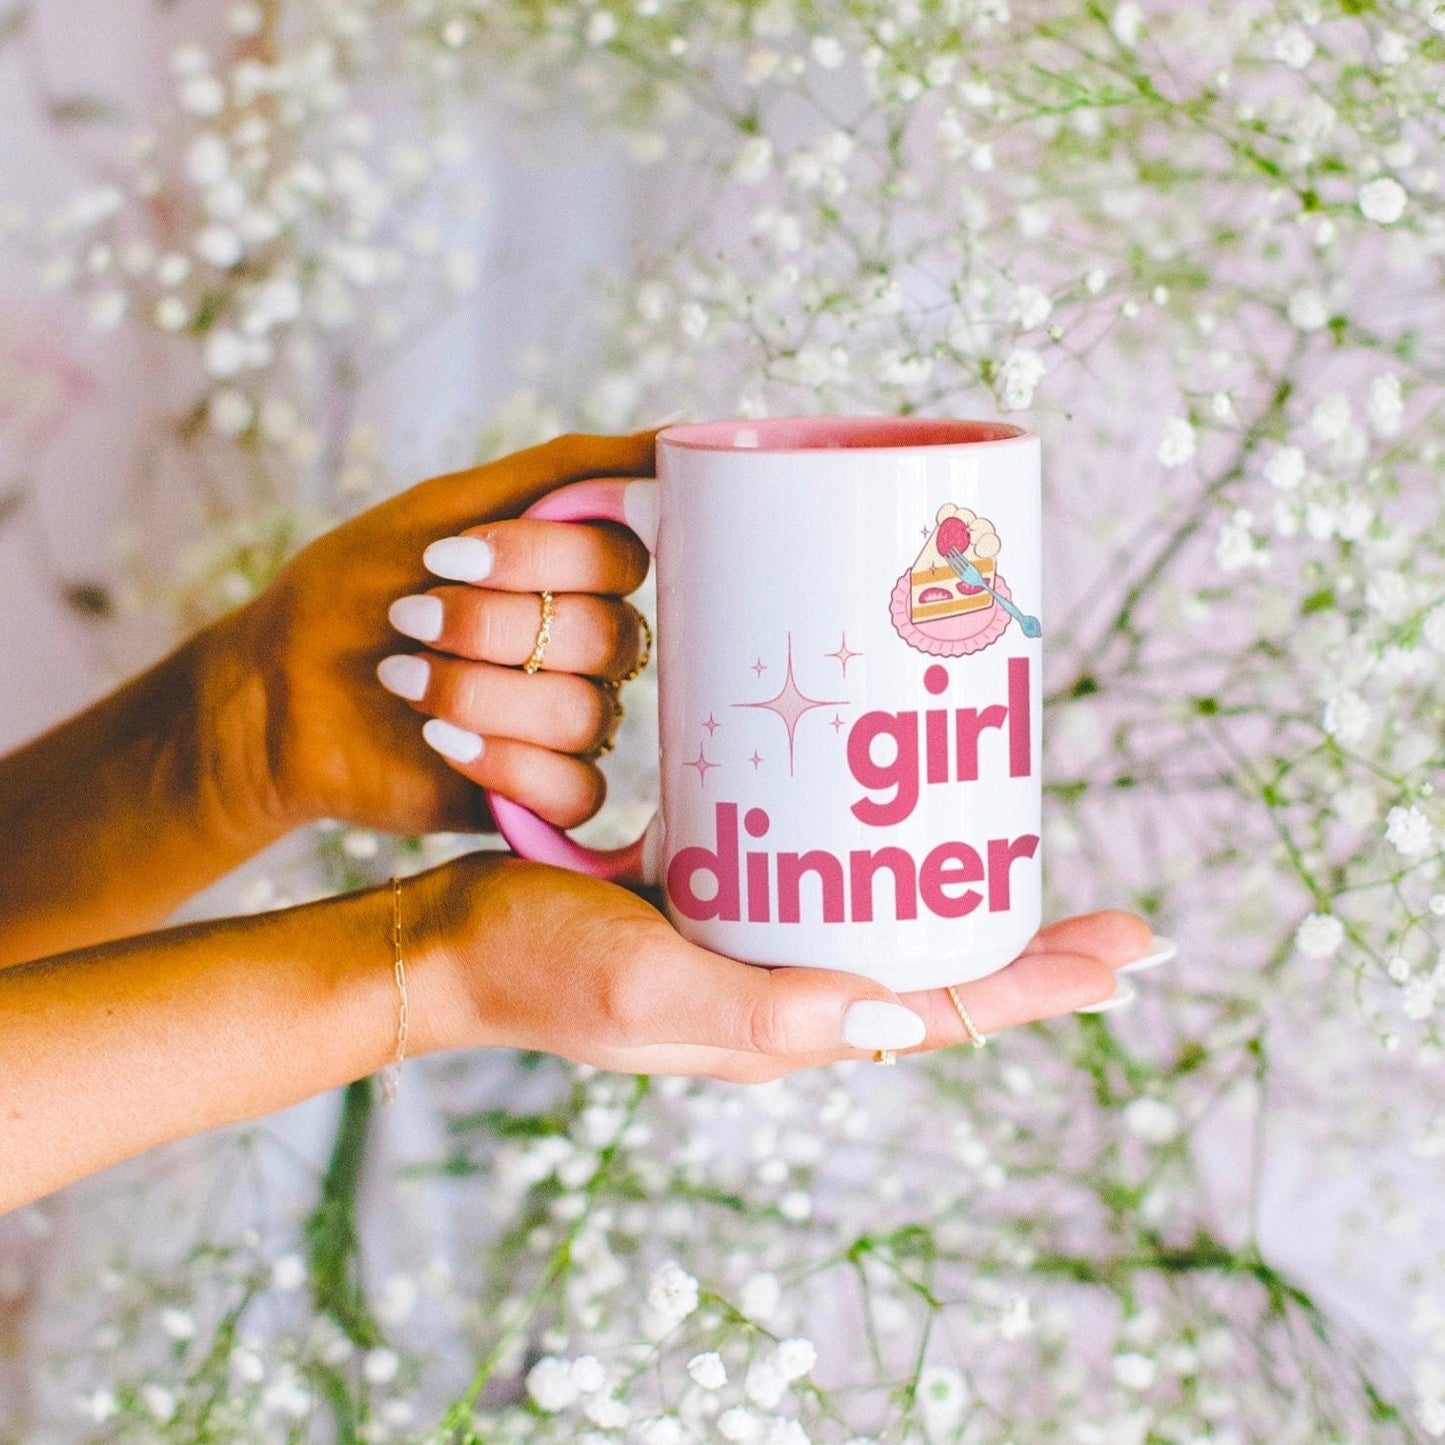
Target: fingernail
{"type": "Point", "coordinates": [1161, 950]}
{"type": "Point", "coordinates": [405, 674]}
{"type": "Point", "coordinates": [1120, 998]}
{"type": "Point", "coordinates": [452, 742]}
{"type": "Point", "coordinates": [418, 617]}
{"type": "Point", "coordinates": [460, 559]}
{"type": "Point", "coordinates": [876, 1024]}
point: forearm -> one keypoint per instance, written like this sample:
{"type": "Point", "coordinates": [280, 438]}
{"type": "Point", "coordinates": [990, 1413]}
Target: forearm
{"type": "Point", "coordinates": [111, 1050]}
{"type": "Point", "coordinates": [115, 817]}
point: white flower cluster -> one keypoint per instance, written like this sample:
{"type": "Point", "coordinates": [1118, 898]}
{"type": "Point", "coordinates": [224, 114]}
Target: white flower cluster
{"type": "Point", "coordinates": [272, 226]}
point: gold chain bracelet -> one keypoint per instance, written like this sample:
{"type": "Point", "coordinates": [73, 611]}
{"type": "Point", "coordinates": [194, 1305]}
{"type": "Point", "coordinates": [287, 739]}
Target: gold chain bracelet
{"type": "Point", "coordinates": [391, 1074]}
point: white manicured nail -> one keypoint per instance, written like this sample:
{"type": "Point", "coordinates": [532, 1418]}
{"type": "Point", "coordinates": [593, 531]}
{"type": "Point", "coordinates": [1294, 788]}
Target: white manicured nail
{"type": "Point", "coordinates": [1161, 950]}
{"type": "Point", "coordinates": [1121, 998]}
{"type": "Point", "coordinates": [876, 1024]}
{"type": "Point", "coordinates": [418, 617]}
{"type": "Point", "coordinates": [460, 559]}
{"type": "Point", "coordinates": [452, 742]}
{"type": "Point", "coordinates": [405, 674]}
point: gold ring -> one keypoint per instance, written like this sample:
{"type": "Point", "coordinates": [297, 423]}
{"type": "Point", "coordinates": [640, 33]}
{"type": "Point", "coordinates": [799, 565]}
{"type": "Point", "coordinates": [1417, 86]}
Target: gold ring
{"type": "Point", "coordinates": [610, 741]}
{"type": "Point", "coordinates": [544, 634]}
{"type": "Point", "coordinates": [646, 657]}
{"type": "Point", "coordinates": [976, 1038]}
{"type": "Point", "coordinates": [885, 1056]}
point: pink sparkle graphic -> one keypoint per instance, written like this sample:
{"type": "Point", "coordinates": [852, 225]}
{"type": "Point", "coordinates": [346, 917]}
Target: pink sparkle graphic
{"type": "Point", "coordinates": [790, 704]}
{"type": "Point", "coordinates": [760, 667]}
{"type": "Point", "coordinates": [836, 723]}
{"type": "Point", "coordinates": [702, 763]}
{"type": "Point", "coordinates": [712, 725]}
{"type": "Point", "coordinates": [844, 654]}
{"type": "Point", "coordinates": [756, 758]}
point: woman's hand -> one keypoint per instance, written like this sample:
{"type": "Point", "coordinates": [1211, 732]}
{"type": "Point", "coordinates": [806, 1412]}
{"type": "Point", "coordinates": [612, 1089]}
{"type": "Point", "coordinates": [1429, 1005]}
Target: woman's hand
{"type": "Point", "coordinates": [274, 716]}
{"type": "Point", "coordinates": [564, 964]}
{"type": "Point", "coordinates": [259, 1012]}
{"type": "Point", "coordinates": [323, 737]}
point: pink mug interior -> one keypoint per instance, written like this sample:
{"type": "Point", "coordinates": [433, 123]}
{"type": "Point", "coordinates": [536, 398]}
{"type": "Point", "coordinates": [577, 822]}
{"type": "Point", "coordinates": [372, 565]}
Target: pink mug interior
{"type": "Point", "coordinates": [834, 433]}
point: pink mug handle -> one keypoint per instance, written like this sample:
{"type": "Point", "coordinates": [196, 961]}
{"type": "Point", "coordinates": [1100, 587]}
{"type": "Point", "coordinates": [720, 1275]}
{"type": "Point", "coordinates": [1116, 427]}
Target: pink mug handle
{"type": "Point", "coordinates": [634, 505]}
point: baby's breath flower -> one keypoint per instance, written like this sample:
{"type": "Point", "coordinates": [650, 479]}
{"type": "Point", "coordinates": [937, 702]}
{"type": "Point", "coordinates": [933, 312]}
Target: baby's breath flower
{"type": "Point", "coordinates": [1126, 23]}
{"type": "Point", "coordinates": [1019, 375]}
{"type": "Point", "coordinates": [247, 1365]}
{"type": "Point", "coordinates": [1320, 936]}
{"type": "Point", "coordinates": [1347, 717]}
{"type": "Point", "coordinates": [159, 1402]}
{"type": "Point", "coordinates": [708, 1370]}
{"type": "Point", "coordinates": [607, 1411]}
{"type": "Point", "coordinates": [1176, 443]}
{"type": "Point", "coordinates": [1385, 406]}
{"type": "Point", "coordinates": [1030, 307]}
{"type": "Point", "coordinates": [1307, 309]}
{"type": "Point", "coordinates": [1332, 416]}
{"type": "Point", "coordinates": [288, 1273]}
{"type": "Point", "coordinates": [1382, 200]}
{"type": "Point", "coordinates": [588, 1374]}
{"type": "Point", "coordinates": [942, 1397]}
{"type": "Point", "coordinates": [1152, 1119]}
{"type": "Point", "coordinates": [754, 160]}
{"type": "Point", "coordinates": [286, 1396]}
{"type": "Point", "coordinates": [1134, 1371]}
{"type": "Point", "coordinates": [1294, 47]}
{"type": "Point", "coordinates": [179, 1324]}
{"type": "Point", "coordinates": [765, 1384]}
{"type": "Point", "coordinates": [380, 1365]}
{"type": "Point", "coordinates": [1409, 831]}
{"type": "Point", "coordinates": [794, 1358]}
{"type": "Point", "coordinates": [672, 1295]}
{"type": "Point", "coordinates": [1285, 469]}
{"type": "Point", "coordinates": [550, 1384]}
{"type": "Point", "coordinates": [740, 1424]}
{"type": "Point", "coordinates": [98, 1406]}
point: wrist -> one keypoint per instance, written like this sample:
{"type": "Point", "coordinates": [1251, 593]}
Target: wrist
{"type": "Point", "coordinates": [231, 725]}
{"type": "Point", "coordinates": [439, 929]}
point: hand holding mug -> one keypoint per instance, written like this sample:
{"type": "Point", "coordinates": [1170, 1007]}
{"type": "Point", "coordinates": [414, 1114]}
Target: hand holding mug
{"type": "Point", "coordinates": [301, 722]}
{"type": "Point", "coordinates": [545, 959]}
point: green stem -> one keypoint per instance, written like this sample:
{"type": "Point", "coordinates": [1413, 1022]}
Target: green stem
{"type": "Point", "coordinates": [457, 1426]}
{"type": "Point", "coordinates": [333, 1246]}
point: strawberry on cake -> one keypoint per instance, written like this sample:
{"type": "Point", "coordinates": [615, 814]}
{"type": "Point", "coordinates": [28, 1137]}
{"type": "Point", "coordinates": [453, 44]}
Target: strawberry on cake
{"type": "Point", "coordinates": [936, 590]}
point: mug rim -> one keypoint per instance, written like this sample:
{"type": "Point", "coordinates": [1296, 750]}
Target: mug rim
{"type": "Point", "coordinates": [854, 433]}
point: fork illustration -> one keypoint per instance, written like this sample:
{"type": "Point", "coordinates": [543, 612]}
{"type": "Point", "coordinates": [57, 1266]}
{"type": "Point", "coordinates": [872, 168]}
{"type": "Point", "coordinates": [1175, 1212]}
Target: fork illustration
{"type": "Point", "coordinates": [968, 574]}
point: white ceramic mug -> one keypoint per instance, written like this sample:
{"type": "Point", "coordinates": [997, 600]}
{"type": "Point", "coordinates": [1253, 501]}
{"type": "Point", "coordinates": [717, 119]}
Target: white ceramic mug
{"type": "Point", "coordinates": [849, 669]}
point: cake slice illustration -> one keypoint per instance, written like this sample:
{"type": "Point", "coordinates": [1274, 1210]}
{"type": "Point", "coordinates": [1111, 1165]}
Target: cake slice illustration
{"type": "Point", "coordinates": [936, 590]}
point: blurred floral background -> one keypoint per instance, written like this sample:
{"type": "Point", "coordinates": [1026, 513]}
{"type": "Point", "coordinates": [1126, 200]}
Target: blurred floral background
{"type": "Point", "coordinates": [266, 262]}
